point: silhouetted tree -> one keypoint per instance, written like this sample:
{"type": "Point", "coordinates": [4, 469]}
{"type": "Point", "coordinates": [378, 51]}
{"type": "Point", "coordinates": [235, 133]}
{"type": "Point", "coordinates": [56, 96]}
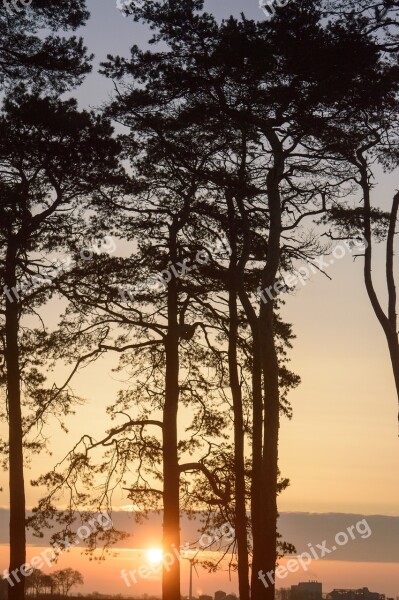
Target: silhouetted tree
{"type": "Point", "coordinates": [42, 62]}
{"type": "Point", "coordinates": [34, 583]}
{"type": "Point", "coordinates": [51, 155]}
{"type": "Point", "coordinates": [60, 582]}
{"type": "Point", "coordinates": [257, 77]}
{"type": "Point", "coordinates": [66, 579]}
{"type": "Point", "coordinates": [379, 19]}
{"type": "Point", "coordinates": [154, 330]}
{"type": "Point", "coordinates": [369, 137]}
{"type": "Point", "coordinates": [264, 118]}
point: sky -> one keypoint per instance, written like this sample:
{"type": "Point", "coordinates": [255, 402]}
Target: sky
{"type": "Point", "coordinates": [369, 556]}
{"type": "Point", "coordinates": [341, 449]}
{"type": "Point", "coordinates": [345, 423]}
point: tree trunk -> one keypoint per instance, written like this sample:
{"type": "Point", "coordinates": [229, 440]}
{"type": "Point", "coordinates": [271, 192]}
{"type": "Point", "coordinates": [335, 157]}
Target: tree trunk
{"type": "Point", "coordinates": [265, 556]}
{"type": "Point", "coordinates": [239, 436]}
{"type": "Point", "coordinates": [257, 491]}
{"type": "Point", "coordinates": [16, 589]}
{"type": "Point", "coordinates": [392, 336]}
{"type": "Point", "coordinates": [269, 476]}
{"type": "Point", "coordinates": [394, 355]}
{"type": "Point", "coordinates": [387, 321]}
{"type": "Point", "coordinates": [171, 499]}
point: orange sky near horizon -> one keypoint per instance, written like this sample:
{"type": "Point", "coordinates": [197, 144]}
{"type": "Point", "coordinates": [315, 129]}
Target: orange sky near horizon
{"type": "Point", "coordinates": [105, 576]}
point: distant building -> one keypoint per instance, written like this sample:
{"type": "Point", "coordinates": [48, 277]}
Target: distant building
{"type": "Point", "coordinates": [308, 590]}
{"type": "Point", "coordinates": [361, 594]}
{"type": "Point", "coordinates": [205, 597]}
{"type": "Point", "coordinates": [283, 594]}
{"type": "Point", "coordinates": [231, 597]}
{"type": "Point", "coordinates": [220, 595]}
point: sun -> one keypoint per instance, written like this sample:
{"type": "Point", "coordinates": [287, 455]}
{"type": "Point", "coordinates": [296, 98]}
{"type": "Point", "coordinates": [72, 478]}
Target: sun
{"type": "Point", "coordinates": [154, 555]}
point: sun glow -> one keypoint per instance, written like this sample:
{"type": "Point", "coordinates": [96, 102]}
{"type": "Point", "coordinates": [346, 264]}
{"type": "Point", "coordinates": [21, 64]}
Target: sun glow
{"type": "Point", "coordinates": [154, 555]}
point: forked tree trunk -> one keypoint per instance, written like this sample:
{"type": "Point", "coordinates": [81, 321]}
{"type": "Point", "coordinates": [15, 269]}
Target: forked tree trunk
{"type": "Point", "coordinates": [387, 320]}
{"type": "Point", "coordinates": [265, 416]}
{"type": "Point", "coordinates": [16, 588]}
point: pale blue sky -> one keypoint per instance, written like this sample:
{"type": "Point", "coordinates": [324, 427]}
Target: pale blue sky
{"type": "Point", "coordinates": [109, 32]}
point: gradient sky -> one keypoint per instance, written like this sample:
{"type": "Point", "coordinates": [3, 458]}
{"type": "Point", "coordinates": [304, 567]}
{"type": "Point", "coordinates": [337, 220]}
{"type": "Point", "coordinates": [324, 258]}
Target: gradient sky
{"type": "Point", "coordinates": [341, 450]}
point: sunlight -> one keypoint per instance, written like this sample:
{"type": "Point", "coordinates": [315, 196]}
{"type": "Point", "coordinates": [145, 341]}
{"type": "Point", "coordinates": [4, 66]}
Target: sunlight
{"type": "Point", "coordinates": [154, 555]}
